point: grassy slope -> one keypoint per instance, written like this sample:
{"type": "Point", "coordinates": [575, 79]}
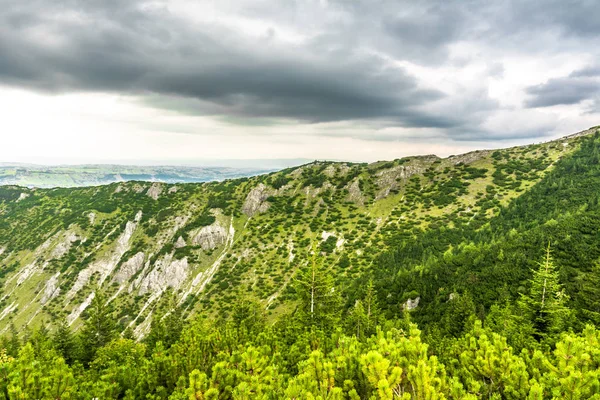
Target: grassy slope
{"type": "Point", "coordinates": [394, 200]}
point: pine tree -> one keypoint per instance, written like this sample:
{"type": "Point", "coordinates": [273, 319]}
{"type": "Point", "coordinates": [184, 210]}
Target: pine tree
{"type": "Point", "coordinates": [545, 304]}
{"type": "Point", "coordinates": [319, 299]}
{"type": "Point", "coordinates": [590, 294]}
{"type": "Point", "coordinates": [13, 344]}
{"type": "Point", "coordinates": [98, 328]}
{"type": "Point", "coordinates": [64, 342]}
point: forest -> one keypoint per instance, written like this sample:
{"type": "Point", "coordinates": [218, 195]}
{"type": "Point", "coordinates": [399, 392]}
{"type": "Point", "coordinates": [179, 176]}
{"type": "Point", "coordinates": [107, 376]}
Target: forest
{"type": "Point", "coordinates": [500, 308]}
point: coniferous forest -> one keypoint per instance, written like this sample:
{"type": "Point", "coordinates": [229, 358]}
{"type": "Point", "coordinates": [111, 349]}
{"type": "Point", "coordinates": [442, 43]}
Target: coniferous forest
{"type": "Point", "coordinates": [499, 304]}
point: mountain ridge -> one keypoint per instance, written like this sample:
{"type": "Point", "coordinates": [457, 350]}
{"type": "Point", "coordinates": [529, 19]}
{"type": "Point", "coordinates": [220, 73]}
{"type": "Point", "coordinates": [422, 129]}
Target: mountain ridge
{"type": "Point", "coordinates": [206, 244]}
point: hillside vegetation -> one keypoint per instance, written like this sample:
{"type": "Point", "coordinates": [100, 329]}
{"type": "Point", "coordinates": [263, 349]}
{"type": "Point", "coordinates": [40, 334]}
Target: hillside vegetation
{"type": "Point", "coordinates": [418, 278]}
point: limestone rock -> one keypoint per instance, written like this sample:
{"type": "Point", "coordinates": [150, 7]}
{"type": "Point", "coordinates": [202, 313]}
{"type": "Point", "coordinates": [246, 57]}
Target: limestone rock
{"type": "Point", "coordinates": [180, 243]}
{"type": "Point", "coordinates": [51, 290]}
{"type": "Point", "coordinates": [411, 304]}
{"type": "Point", "coordinates": [256, 200]}
{"type": "Point", "coordinates": [65, 245]}
{"type": "Point", "coordinates": [166, 273]}
{"type": "Point", "coordinates": [355, 193]}
{"type": "Point", "coordinates": [106, 265]}
{"type": "Point", "coordinates": [77, 311]}
{"type": "Point", "coordinates": [23, 196]}
{"type": "Point", "coordinates": [155, 190]}
{"type": "Point", "coordinates": [209, 236]}
{"type": "Point", "coordinates": [469, 158]}
{"type": "Point", "coordinates": [129, 268]}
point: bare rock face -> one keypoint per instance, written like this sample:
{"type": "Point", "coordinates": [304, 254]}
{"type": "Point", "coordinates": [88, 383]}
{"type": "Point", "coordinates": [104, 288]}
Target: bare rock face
{"type": "Point", "coordinates": [468, 158]}
{"type": "Point", "coordinates": [106, 266]}
{"type": "Point", "coordinates": [355, 193]}
{"type": "Point", "coordinates": [129, 268]}
{"type": "Point", "coordinates": [51, 290]}
{"type": "Point", "coordinates": [411, 304]}
{"type": "Point", "coordinates": [388, 178]}
{"type": "Point", "coordinates": [155, 191]}
{"type": "Point", "coordinates": [180, 243]}
{"type": "Point", "coordinates": [77, 311]}
{"type": "Point", "coordinates": [65, 245]}
{"type": "Point", "coordinates": [210, 236]}
{"type": "Point", "coordinates": [330, 171]}
{"type": "Point", "coordinates": [23, 196]}
{"type": "Point", "coordinates": [256, 200]}
{"type": "Point", "coordinates": [166, 273]}
{"type": "Point", "coordinates": [173, 189]}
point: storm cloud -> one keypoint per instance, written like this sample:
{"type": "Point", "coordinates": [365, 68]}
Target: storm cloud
{"type": "Point", "coordinates": [384, 63]}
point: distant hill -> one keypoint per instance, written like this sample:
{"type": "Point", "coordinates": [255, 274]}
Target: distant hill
{"type": "Point", "coordinates": [43, 176]}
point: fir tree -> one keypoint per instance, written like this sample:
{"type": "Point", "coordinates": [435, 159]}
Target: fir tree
{"type": "Point", "coordinates": [319, 299]}
{"type": "Point", "coordinates": [545, 305]}
{"type": "Point", "coordinates": [64, 342]}
{"type": "Point", "coordinates": [98, 328]}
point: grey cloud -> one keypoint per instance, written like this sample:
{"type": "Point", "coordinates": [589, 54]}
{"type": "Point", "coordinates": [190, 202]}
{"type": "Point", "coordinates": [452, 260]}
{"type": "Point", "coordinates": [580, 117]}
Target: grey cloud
{"type": "Point", "coordinates": [580, 85]}
{"type": "Point", "coordinates": [346, 71]}
{"type": "Point", "coordinates": [129, 49]}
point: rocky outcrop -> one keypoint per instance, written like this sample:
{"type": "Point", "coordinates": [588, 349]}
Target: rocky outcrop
{"type": "Point", "coordinates": [387, 179]}
{"type": "Point", "coordinates": [77, 311]}
{"type": "Point", "coordinates": [22, 197]}
{"type": "Point", "coordinates": [64, 245]}
{"type": "Point", "coordinates": [411, 304]}
{"type": "Point", "coordinates": [166, 273]}
{"type": "Point", "coordinates": [129, 268]}
{"type": "Point", "coordinates": [256, 200]}
{"type": "Point", "coordinates": [180, 243]}
{"type": "Point", "coordinates": [355, 194]}
{"type": "Point", "coordinates": [468, 158]}
{"type": "Point", "coordinates": [104, 267]}
{"type": "Point", "coordinates": [51, 290]}
{"type": "Point", "coordinates": [209, 236]}
{"type": "Point", "coordinates": [155, 190]}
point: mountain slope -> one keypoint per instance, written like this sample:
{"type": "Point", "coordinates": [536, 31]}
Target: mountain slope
{"type": "Point", "coordinates": [208, 244]}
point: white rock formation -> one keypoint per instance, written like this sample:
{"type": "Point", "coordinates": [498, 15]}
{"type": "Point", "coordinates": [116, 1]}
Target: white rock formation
{"type": "Point", "coordinates": [255, 201]}
{"type": "Point", "coordinates": [180, 242]}
{"type": "Point", "coordinates": [64, 245]}
{"type": "Point", "coordinates": [411, 304]}
{"type": "Point", "coordinates": [325, 235]}
{"type": "Point", "coordinates": [77, 311]}
{"type": "Point", "coordinates": [107, 265]}
{"type": "Point", "coordinates": [166, 273]}
{"type": "Point", "coordinates": [155, 190]}
{"type": "Point", "coordinates": [203, 278]}
{"type": "Point", "coordinates": [51, 290]}
{"type": "Point", "coordinates": [209, 236]}
{"type": "Point", "coordinates": [129, 268]}
{"type": "Point", "coordinates": [23, 196]}
{"type": "Point", "coordinates": [13, 306]}
{"type": "Point", "coordinates": [26, 272]}
{"type": "Point", "coordinates": [355, 194]}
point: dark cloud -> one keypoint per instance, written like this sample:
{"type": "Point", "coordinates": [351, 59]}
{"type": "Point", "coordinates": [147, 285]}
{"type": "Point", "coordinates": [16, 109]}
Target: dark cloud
{"type": "Point", "coordinates": [345, 69]}
{"type": "Point", "coordinates": [137, 51]}
{"type": "Point", "coordinates": [580, 85]}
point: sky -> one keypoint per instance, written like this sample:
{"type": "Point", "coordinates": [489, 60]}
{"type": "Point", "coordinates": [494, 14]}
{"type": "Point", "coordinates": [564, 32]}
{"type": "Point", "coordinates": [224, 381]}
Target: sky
{"type": "Point", "coordinates": [175, 81]}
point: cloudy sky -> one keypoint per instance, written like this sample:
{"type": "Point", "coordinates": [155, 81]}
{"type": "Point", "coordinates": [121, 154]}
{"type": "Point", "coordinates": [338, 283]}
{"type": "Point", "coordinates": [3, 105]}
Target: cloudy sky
{"type": "Point", "coordinates": [177, 81]}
